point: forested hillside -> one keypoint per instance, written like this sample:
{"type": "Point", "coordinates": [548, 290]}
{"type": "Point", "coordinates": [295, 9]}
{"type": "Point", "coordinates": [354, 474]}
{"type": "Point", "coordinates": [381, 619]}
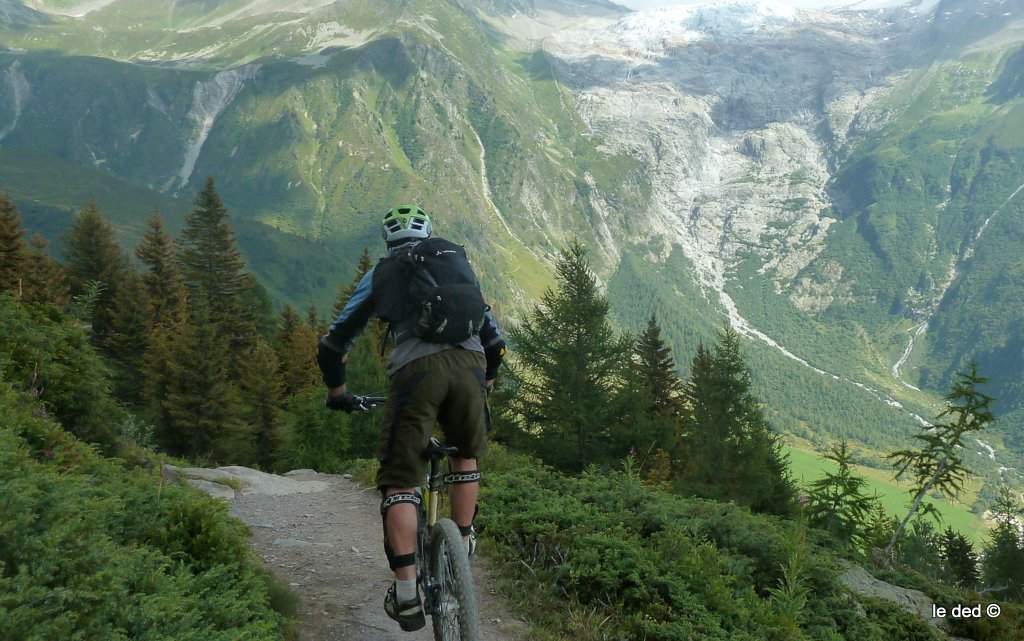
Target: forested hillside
{"type": "Point", "coordinates": [638, 467]}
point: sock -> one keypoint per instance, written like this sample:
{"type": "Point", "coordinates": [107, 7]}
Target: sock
{"type": "Point", "coordinates": [405, 590]}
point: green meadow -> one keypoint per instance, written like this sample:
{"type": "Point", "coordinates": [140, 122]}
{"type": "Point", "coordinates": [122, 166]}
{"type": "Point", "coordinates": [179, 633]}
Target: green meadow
{"type": "Point", "coordinates": [809, 466]}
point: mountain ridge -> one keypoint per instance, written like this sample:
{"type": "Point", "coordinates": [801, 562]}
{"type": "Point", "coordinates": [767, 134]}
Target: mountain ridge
{"type": "Point", "coordinates": [817, 201]}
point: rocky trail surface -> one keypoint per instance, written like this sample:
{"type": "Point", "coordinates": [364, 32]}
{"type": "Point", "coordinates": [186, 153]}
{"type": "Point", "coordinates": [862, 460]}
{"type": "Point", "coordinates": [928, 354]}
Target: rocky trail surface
{"type": "Point", "coordinates": [320, 534]}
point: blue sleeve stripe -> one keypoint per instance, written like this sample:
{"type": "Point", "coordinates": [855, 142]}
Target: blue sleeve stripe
{"type": "Point", "coordinates": [360, 296]}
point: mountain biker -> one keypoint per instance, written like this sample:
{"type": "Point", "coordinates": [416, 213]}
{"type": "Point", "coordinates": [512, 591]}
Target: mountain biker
{"type": "Point", "coordinates": [429, 382]}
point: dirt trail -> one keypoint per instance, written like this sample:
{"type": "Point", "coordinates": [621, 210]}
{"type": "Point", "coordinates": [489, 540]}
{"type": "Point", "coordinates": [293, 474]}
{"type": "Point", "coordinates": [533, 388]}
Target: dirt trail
{"type": "Point", "coordinates": [320, 534]}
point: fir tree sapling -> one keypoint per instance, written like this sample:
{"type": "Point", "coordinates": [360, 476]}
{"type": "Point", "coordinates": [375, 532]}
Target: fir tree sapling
{"type": "Point", "coordinates": [937, 464]}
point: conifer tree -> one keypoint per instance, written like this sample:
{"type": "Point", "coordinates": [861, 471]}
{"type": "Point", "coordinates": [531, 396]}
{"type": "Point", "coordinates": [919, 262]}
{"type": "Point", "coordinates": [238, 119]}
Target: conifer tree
{"type": "Point", "coordinates": [345, 291]}
{"type": "Point", "coordinates": [732, 452]}
{"type": "Point", "coordinates": [1003, 564]}
{"type": "Point", "coordinates": [212, 266]}
{"type": "Point", "coordinates": [838, 503]}
{"type": "Point", "coordinates": [45, 279]}
{"type": "Point", "coordinates": [655, 367]}
{"type": "Point", "coordinates": [262, 394]}
{"type": "Point", "coordinates": [960, 563]}
{"type": "Point", "coordinates": [13, 252]}
{"type": "Point", "coordinates": [570, 361]}
{"type": "Point", "coordinates": [372, 341]}
{"type": "Point", "coordinates": [157, 371]}
{"type": "Point", "coordinates": [313, 319]}
{"type": "Point", "coordinates": [202, 403]}
{"type": "Point", "coordinates": [93, 255]}
{"type": "Point", "coordinates": [128, 336]}
{"type": "Point", "coordinates": [163, 281]}
{"type": "Point", "coordinates": [295, 345]}
{"type": "Point", "coordinates": [937, 464]}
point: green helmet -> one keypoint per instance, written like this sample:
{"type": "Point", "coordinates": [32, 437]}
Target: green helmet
{"type": "Point", "coordinates": [405, 221]}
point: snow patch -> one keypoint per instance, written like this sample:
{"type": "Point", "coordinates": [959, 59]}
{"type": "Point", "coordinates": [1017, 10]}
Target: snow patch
{"type": "Point", "coordinates": [648, 29]}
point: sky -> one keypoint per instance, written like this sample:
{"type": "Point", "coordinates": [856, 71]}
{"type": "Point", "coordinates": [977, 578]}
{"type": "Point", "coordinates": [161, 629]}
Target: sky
{"type": "Point", "coordinates": [803, 4]}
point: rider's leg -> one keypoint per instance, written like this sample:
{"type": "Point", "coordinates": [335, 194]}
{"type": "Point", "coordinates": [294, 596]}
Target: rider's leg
{"type": "Point", "coordinates": [401, 530]}
{"type": "Point", "coordinates": [463, 495]}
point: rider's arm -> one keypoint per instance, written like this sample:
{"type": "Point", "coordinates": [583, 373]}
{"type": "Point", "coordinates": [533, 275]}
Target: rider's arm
{"type": "Point", "coordinates": [494, 346]}
{"type": "Point", "coordinates": [339, 338]}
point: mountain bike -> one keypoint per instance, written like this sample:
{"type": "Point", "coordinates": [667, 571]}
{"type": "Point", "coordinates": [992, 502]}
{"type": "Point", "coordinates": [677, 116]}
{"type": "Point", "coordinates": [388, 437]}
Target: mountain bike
{"type": "Point", "coordinates": [442, 560]}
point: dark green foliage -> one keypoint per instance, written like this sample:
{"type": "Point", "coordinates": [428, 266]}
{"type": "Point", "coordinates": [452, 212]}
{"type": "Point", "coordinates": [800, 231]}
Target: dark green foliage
{"type": "Point", "coordinates": [1010, 83]}
{"type": "Point", "coordinates": [13, 252]}
{"type": "Point", "coordinates": [93, 255]}
{"type": "Point", "coordinates": [156, 378]}
{"type": "Point", "coordinates": [50, 357]}
{"type": "Point", "coordinates": [837, 502]}
{"type": "Point", "coordinates": [729, 448]}
{"type": "Point", "coordinates": [571, 362]}
{"type": "Point", "coordinates": [202, 402]}
{"type": "Point", "coordinates": [959, 562]}
{"type": "Point", "coordinates": [316, 438]}
{"type": "Point", "coordinates": [213, 268]}
{"type": "Point", "coordinates": [651, 565]}
{"type": "Point", "coordinates": [295, 344]}
{"type": "Point", "coordinates": [164, 285]}
{"type": "Point", "coordinates": [655, 369]}
{"type": "Point", "coordinates": [937, 464]}
{"type": "Point", "coordinates": [919, 548]}
{"type": "Point", "coordinates": [345, 291]}
{"type": "Point", "coordinates": [262, 394]}
{"type": "Point", "coordinates": [128, 337]}
{"type": "Point", "coordinates": [45, 279]}
{"type": "Point", "coordinates": [1003, 563]}
{"type": "Point", "coordinates": [91, 549]}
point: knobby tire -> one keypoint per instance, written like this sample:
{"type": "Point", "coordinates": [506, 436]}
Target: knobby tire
{"type": "Point", "coordinates": [455, 618]}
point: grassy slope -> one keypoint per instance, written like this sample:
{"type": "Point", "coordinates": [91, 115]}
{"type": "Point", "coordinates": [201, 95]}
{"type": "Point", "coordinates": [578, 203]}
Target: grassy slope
{"type": "Point", "coordinates": [292, 268]}
{"type": "Point", "coordinates": [808, 466]}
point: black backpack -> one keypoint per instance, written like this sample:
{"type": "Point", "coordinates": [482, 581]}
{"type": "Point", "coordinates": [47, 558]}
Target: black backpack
{"type": "Point", "coordinates": [444, 303]}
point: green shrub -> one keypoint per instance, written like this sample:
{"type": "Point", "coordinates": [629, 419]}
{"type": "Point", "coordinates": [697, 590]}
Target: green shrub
{"type": "Point", "coordinates": [647, 564]}
{"type": "Point", "coordinates": [91, 548]}
{"type": "Point", "coordinates": [49, 356]}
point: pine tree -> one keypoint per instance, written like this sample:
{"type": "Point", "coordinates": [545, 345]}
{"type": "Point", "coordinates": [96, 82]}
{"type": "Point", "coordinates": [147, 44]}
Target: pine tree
{"type": "Point", "coordinates": [937, 464]}
{"type": "Point", "coordinates": [163, 281]}
{"type": "Point", "coordinates": [295, 345]}
{"type": "Point", "coordinates": [213, 268]}
{"type": "Point", "coordinates": [262, 394]}
{"type": "Point", "coordinates": [93, 255]}
{"type": "Point", "coordinates": [202, 403]}
{"type": "Point", "coordinates": [731, 450]}
{"type": "Point", "coordinates": [128, 337]}
{"type": "Point", "coordinates": [571, 361]}
{"type": "Point", "coordinates": [838, 503]}
{"type": "Point", "coordinates": [655, 367]}
{"type": "Point", "coordinates": [960, 563]}
{"type": "Point", "coordinates": [45, 279]}
{"type": "Point", "coordinates": [345, 291]}
{"type": "Point", "coordinates": [13, 252]}
{"type": "Point", "coordinates": [157, 370]}
{"type": "Point", "coordinates": [372, 341]}
{"type": "Point", "coordinates": [1003, 564]}
{"type": "Point", "coordinates": [313, 319]}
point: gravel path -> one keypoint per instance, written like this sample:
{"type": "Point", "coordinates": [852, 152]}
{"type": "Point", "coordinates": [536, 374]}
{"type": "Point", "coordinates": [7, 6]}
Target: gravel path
{"type": "Point", "coordinates": [320, 534]}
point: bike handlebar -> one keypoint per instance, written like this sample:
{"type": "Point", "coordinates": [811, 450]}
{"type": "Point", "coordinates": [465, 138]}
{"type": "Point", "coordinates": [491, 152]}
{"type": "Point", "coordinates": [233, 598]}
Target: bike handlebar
{"type": "Point", "coordinates": [370, 402]}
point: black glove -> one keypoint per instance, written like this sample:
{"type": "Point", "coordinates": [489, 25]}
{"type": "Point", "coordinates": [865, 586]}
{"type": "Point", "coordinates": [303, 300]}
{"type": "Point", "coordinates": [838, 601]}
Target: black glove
{"type": "Point", "coordinates": [345, 402]}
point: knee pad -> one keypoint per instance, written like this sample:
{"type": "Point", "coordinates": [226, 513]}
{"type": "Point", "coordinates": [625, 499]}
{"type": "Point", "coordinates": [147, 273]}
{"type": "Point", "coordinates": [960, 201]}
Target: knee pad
{"type": "Point", "coordinates": [402, 560]}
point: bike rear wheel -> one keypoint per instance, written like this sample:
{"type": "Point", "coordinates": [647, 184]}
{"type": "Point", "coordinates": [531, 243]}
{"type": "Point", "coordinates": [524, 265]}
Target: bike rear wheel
{"type": "Point", "coordinates": [455, 613]}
